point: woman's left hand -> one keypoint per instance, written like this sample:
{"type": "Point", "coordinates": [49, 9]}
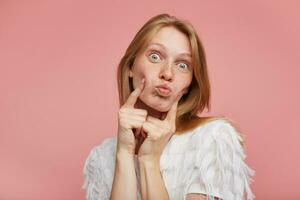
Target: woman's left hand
{"type": "Point", "coordinates": [158, 134]}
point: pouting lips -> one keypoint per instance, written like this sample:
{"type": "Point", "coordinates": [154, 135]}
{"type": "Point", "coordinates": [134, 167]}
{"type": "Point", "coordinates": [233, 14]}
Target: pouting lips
{"type": "Point", "coordinates": [163, 91]}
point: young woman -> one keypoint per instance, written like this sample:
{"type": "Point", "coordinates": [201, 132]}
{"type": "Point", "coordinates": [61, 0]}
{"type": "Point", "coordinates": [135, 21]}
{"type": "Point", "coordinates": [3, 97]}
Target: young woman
{"type": "Point", "coordinates": [163, 150]}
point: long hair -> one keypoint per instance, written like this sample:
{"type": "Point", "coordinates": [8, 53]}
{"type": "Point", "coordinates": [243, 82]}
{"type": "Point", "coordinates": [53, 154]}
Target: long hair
{"type": "Point", "coordinates": [198, 96]}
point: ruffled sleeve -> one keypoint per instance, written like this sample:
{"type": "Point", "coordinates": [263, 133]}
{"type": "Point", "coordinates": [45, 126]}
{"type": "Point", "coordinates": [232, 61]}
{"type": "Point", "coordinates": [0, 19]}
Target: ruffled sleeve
{"type": "Point", "coordinates": [95, 180]}
{"type": "Point", "coordinates": [220, 170]}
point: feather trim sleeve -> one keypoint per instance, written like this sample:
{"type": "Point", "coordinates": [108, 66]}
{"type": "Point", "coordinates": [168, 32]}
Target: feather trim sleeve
{"type": "Point", "coordinates": [220, 169]}
{"type": "Point", "coordinates": [94, 177]}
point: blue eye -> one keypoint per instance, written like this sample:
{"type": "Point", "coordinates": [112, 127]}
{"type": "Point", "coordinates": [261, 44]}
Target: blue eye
{"type": "Point", "coordinates": [154, 56]}
{"type": "Point", "coordinates": [185, 66]}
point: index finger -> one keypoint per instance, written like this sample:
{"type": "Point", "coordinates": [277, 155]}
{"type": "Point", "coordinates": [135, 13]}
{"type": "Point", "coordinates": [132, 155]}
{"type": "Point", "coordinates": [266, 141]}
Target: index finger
{"type": "Point", "coordinates": [135, 94]}
{"type": "Point", "coordinates": [171, 115]}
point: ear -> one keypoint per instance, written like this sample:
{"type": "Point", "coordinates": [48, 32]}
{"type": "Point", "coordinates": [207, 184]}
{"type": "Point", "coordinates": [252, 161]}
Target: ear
{"type": "Point", "coordinates": [130, 73]}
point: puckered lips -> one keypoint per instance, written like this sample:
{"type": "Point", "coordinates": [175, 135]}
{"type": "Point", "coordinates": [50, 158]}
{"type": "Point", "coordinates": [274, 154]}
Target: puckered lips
{"type": "Point", "coordinates": [163, 90]}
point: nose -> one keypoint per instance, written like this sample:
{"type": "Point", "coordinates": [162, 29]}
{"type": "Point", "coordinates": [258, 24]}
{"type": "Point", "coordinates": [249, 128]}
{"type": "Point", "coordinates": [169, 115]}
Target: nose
{"type": "Point", "coordinates": [166, 72]}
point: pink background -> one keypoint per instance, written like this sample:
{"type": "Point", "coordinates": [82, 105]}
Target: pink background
{"type": "Point", "coordinates": [58, 89]}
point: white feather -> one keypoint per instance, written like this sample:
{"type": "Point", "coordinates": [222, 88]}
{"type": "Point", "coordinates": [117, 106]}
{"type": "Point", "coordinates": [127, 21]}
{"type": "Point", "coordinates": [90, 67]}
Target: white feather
{"type": "Point", "coordinates": [220, 163]}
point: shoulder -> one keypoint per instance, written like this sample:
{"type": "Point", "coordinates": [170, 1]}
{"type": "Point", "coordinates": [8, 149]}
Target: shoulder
{"type": "Point", "coordinates": [220, 158]}
{"type": "Point", "coordinates": [106, 143]}
{"type": "Point", "coordinates": [221, 136]}
{"type": "Point", "coordinates": [195, 122]}
{"type": "Point", "coordinates": [104, 149]}
{"type": "Point", "coordinates": [218, 129]}
{"type": "Point", "coordinates": [107, 146]}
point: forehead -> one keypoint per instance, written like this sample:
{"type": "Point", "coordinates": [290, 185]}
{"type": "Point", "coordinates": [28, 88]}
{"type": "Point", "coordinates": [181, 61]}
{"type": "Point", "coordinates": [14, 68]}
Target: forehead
{"type": "Point", "coordinates": [172, 40]}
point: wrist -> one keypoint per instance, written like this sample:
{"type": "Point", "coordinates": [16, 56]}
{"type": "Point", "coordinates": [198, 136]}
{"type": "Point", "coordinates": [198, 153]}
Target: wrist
{"type": "Point", "coordinates": [151, 162]}
{"type": "Point", "coordinates": [124, 161]}
{"type": "Point", "coordinates": [124, 154]}
{"type": "Point", "coordinates": [124, 151]}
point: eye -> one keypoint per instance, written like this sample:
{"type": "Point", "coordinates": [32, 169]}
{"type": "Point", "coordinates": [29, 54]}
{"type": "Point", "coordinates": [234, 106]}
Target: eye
{"type": "Point", "coordinates": [154, 56]}
{"type": "Point", "coordinates": [183, 66]}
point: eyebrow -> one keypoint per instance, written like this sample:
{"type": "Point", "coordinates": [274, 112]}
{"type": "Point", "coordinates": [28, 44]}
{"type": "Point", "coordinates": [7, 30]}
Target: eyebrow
{"type": "Point", "coordinates": [162, 46]}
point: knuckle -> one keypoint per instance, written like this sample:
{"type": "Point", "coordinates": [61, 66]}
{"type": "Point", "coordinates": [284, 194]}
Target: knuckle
{"type": "Point", "coordinates": [144, 112]}
{"type": "Point", "coordinates": [121, 110]}
{"type": "Point", "coordinates": [138, 124]}
{"type": "Point", "coordinates": [141, 111]}
{"type": "Point", "coordinates": [170, 129]}
{"type": "Point", "coordinates": [156, 137]}
{"type": "Point", "coordinates": [124, 124]}
{"type": "Point", "coordinates": [121, 121]}
{"type": "Point", "coordinates": [173, 129]}
{"type": "Point", "coordinates": [121, 116]}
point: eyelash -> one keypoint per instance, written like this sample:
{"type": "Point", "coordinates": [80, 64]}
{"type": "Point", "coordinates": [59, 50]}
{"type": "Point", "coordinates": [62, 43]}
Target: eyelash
{"type": "Point", "coordinates": [155, 52]}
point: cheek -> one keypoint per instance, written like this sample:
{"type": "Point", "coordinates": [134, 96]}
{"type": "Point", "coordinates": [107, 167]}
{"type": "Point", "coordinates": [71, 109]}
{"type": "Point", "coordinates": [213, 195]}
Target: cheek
{"type": "Point", "coordinates": [141, 70]}
{"type": "Point", "coordinates": [149, 75]}
{"type": "Point", "coordinates": [139, 74]}
{"type": "Point", "coordinates": [144, 69]}
{"type": "Point", "coordinates": [183, 86]}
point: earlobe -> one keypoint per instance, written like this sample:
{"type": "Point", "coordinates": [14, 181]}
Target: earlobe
{"type": "Point", "coordinates": [130, 74]}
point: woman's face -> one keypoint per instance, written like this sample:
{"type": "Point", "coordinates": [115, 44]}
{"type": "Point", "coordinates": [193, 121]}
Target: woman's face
{"type": "Point", "coordinates": [166, 66]}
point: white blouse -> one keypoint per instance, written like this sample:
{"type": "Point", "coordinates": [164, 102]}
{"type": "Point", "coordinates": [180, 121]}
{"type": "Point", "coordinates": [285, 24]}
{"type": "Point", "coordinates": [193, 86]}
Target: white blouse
{"type": "Point", "coordinates": [208, 159]}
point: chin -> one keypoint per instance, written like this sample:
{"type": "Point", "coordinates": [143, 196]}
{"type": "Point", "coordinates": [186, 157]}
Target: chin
{"type": "Point", "coordinates": [161, 106]}
{"type": "Point", "coordinates": [161, 109]}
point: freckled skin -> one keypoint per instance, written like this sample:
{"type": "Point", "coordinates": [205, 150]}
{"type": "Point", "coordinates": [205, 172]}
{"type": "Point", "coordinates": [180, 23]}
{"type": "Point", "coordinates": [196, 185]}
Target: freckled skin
{"type": "Point", "coordinates": [165, 70]}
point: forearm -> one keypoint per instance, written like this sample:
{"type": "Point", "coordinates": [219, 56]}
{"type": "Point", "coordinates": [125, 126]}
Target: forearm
{"type": "Point", "coordinates": [152, 184]}
{"type": "Point", "coordinates": [124, 184]}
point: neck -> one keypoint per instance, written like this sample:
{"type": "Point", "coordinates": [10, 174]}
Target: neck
{"type": "Point", "coordinates": [152, 112]}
